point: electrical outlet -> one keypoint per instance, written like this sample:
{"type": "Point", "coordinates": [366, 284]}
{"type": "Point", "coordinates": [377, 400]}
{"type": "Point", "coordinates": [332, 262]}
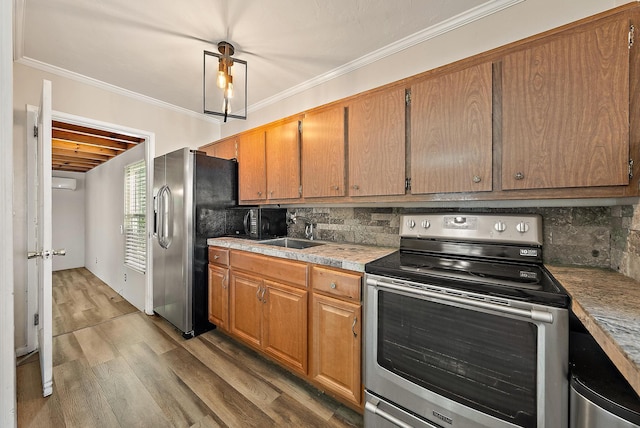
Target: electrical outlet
{"type": "Point", "coordinates": [96, 260]}
{"type": "Point", "coordinates": [125, 277]}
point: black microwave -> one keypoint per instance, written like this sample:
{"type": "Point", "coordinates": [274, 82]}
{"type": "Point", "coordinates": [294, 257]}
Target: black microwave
{"type": "Point", "coordinates": [259, 223]}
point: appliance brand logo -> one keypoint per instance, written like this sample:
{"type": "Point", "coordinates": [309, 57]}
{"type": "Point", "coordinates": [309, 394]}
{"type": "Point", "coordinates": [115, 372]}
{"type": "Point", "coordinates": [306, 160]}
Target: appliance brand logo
{"type": "Point", "coordinates": [442, 417]}
{"type": "Point", "coordinates": [529, 252]}
{"type": "Point", "coordinates": [528, 274]}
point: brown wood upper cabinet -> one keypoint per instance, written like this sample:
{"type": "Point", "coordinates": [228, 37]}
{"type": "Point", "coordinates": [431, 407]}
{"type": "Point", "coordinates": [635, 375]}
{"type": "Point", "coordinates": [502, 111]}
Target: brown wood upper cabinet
{"type": "Point", "coordinates": [283, 160]}
{"type": "Point", "coordinates": [252, 169]}
{"type": "Point", "coordinates": [323, 153]}
{"type": "Point", "coordinates": [377, 144]}
{"type": "Point", "coordinates": [451, 132]}
{"type": "Point", "coordinates": [225, 149]}
{"type": "Point", "coordinates": [565, 109]}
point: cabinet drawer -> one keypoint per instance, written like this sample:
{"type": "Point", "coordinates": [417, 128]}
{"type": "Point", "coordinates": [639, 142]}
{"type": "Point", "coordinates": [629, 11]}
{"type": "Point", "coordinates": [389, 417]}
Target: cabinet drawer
{"type": "Point", "coordinates": [287, 271]}
{"type": "Point", "coordinates": [219, 256]}
{"type": "Point", "coordinates": [336, 283]}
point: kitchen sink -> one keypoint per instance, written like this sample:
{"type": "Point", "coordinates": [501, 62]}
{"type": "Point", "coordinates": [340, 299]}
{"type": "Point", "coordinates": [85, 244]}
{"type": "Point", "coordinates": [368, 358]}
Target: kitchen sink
{"type": "Point", "coordinates": [298, 244]}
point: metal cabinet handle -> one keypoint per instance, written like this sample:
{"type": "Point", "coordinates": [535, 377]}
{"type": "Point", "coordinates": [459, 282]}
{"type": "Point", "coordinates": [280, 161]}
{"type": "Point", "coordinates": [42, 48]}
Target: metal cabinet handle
{"type": "Point", "coordinates": [518, 176]}
{"type": "Point", "coordinates": [355, 320]}
{"type": "Point", "coordinates": [258, 293]}
{"type": "Point", "coordinates": [335, 187]}
{"type": "Point", "coordinates": [264, 289]}
{"type": "Point", "coordinates": [477, 179]}
{"type": "Point", "coordinates": [355, 187]}
{"type": "Point", "coordinates": [225, 278]}
{"type": "Point", "coordinates": [333, 285]}
{"type": "Point", "coordinates": [259, 193]}
{"type": "Point", "coordinates": [216, 257]}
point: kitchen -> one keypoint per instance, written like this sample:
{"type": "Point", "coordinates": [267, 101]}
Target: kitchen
{"type": "Point", "coordinates": [25, 74]}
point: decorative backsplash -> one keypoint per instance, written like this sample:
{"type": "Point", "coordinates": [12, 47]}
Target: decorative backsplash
{"type": "Point", "coordinates": [605, 237]}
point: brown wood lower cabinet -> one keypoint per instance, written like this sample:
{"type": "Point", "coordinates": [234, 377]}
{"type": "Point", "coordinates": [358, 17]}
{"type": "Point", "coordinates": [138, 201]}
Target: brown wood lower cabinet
{"type": "Point", "coordinates": [218, 312]}
{"type": "Point", "coordinates": [269, 311]}
{"type": "Point", "coordinates": [304, 316]}
{"type": "Point", "coordinates": [336, 346]}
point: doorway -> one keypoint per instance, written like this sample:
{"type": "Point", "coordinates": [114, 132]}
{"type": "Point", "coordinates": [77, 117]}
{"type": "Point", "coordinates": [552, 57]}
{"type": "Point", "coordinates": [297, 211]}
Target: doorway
{"type": "Point", "coordinates": [148, 148]}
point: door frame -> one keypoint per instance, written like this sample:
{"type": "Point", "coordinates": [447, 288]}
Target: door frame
{"type": "Point", "coordinates": [8, 412]}
{"type": "Point", "coordinates": [149, 139]}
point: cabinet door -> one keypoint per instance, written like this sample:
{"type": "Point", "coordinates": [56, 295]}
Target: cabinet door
{"type": "Point", "coordinates": [285, 325]}
{"type": "Point", "coordinates": [565, 109]}
{"type": "Point", "coordinates": [336, 346]}
{"type": "Point", "coordinates": [451, 132]}
{"type": "Point", "coordinates": [245, 299]}
{"type": "Point", "coordinates": [283, 161]}
{"type": "Point", "coordinates": [251, 167]}
{"type": "Point", "coordinates": [323, 150]}
{"type": "Point", "coordinates": [226, 149]}
{"type": "Point", "coordinates": [377, 144]}
{"type": "Point", "coordinates": [219, 296]}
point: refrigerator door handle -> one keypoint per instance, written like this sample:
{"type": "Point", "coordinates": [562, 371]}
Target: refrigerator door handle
{"type": "Point", "coordinates": [165, 211]}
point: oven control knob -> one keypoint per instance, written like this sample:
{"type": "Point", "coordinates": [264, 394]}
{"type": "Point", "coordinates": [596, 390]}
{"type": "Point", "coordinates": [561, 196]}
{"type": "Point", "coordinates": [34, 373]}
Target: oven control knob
{"type": "Point", "coordinates": [522, 227]}
{"type": "Point", "coordinates": [426, 224]}
{"type": "Point", "coordinates": [411, 224]}
{"type": "Point", "coordinates": [500, 226]}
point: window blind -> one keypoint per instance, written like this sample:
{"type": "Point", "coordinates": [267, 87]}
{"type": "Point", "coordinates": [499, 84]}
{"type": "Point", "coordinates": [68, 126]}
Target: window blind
{"type": "Point", "coordinates": [135, 216]}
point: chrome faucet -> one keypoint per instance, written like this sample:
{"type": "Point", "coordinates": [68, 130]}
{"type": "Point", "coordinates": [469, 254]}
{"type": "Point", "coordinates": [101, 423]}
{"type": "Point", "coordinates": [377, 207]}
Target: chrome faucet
{"type": "Point", "coordinates": [308, 224]}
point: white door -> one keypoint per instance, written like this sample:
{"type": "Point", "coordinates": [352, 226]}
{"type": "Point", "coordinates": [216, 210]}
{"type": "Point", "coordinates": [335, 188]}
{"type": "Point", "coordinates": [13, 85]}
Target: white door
{"type": "Point", "coordinates": [42, 254]}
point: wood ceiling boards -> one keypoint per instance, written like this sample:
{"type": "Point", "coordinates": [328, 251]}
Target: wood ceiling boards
{"type": "Point", "coordinates": [79, 149]}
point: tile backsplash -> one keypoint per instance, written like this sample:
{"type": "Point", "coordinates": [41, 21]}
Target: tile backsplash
{"type": "Point", "coordinates": [606, 237]}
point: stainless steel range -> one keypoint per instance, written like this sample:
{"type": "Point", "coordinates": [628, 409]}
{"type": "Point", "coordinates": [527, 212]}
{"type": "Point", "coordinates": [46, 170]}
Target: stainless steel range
{"type": "Point", "coordinates": [465, 327]}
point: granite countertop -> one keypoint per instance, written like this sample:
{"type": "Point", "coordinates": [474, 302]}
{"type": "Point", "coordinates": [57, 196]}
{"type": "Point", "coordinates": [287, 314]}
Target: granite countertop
{"type": "Point", "coordinates": [341, 255]}
{"type": "Point", "coordinates": [608, 304]}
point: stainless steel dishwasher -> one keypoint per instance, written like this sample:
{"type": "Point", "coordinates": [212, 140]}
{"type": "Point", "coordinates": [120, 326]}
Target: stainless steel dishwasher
{"type": "Point", "coordinates": [599, 395]}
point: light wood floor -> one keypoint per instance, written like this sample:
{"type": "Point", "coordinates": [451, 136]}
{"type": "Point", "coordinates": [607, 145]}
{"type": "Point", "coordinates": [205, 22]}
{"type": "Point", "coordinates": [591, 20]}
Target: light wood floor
{"type": "Point", "coordinates": [117, 367]}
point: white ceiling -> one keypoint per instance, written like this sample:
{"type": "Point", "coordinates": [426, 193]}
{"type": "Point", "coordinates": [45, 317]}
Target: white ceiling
{"type": "Point", "coordinates": [155, 48]}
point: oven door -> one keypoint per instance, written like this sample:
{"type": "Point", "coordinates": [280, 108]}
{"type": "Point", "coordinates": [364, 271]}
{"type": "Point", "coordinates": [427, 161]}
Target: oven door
{"type": "Point", "coordinates": [459, 359]}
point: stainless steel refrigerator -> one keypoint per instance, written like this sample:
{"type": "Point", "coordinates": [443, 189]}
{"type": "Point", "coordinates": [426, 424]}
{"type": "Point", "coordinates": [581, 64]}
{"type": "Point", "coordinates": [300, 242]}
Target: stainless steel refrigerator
{"type": "Point", "coordinates": [191, 193]}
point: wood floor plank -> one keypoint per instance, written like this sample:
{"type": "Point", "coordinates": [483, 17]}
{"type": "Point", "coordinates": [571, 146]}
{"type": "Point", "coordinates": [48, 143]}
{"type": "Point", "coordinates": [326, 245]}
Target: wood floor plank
{"type": "Point", "coordinates": [206, 422]}
{"type": "Point", "coordinates": [66, 348]}
{"type": "Point", "coordinates": [96, 347]}
{"type": "Point", "coordinates": [242, 380]}
{"type": "Point", "coordinates": [273, 374]}
{"type": "Point", "coordinates": [157, 339]}
{"type": "Point", "coordinates": [230, 406]}
{"type": "Point", "coordinates": [129, 400]}
{"type": "Point", "coordinates": [35, 411]}
{"type": "Point", "coordinates": [81, 398]}
{"type": "Point", "coordinates": [179, 403]}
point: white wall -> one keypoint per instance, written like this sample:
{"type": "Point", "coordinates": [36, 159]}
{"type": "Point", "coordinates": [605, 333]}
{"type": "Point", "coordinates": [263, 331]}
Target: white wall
{"type": "Point", "coordinates": [519, 21]}
{"type": "Point", "coordinates": [172, 130]}
{"type": "Point", "coordinates": [67, 215]}
{"type": "Point", "coordinates": [104, 244]}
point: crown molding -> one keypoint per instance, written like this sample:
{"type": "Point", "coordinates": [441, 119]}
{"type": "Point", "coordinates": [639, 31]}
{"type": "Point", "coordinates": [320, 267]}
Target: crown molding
{"type": "Point", "coordinates": [450, 24]}
{"type": "Point", "coordinates": [29, 62]}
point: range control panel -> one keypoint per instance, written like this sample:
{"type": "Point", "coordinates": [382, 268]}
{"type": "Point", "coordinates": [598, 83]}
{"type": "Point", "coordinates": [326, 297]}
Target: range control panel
{"type": "Point", "coordinates": [507, 228]}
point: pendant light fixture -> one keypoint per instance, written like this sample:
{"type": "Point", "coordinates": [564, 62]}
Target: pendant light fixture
{"type": "Point", "coordinates": [225, 90]}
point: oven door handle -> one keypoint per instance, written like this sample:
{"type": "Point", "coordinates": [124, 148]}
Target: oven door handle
{"type": "Point", "coordinates": [532, 314]}
{"type": "Point", "coordinates": [373, 408]}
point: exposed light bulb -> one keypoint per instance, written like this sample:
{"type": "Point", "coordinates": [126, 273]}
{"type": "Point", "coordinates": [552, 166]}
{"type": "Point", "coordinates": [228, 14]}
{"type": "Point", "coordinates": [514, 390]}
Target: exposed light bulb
{"type": "Point", "coordinates": [222, 75]}
{"type": "Point", "coordinates": [222, 79]}
{"type": "Point", "coordinates": [229, 89]}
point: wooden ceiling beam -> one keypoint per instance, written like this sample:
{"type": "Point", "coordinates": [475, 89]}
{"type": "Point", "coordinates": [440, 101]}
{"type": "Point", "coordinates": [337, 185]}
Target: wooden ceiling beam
{"type": "Point", "coordinates": [98, 132]}
{"type": "Point", "coordinates": [72, 168]}
{"type": "Point", "coordinates": [76, 161]}
{"type": "Point", "coordinates": [80, 155]}
{"type": "Point", "coordinates": [83, 148]}
{"type": "Point", "coordinates": [91, 140]}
